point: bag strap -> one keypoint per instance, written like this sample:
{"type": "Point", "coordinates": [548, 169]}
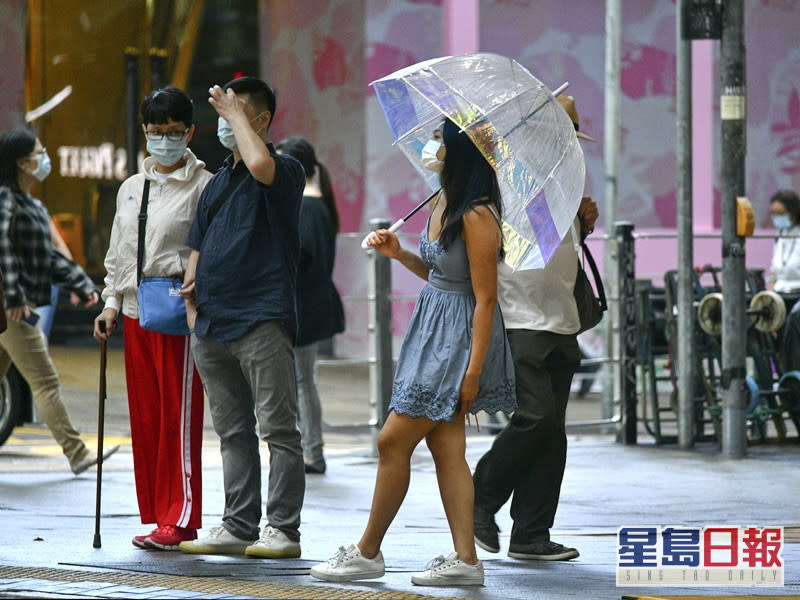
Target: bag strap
{"type": "Point", "coordinates": [142, 225]}
{"type": "Point", "coordinates": [596, 274]}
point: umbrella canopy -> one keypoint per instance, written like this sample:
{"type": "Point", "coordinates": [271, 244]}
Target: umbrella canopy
{"type": "Point", "coordinates": [518, 125]}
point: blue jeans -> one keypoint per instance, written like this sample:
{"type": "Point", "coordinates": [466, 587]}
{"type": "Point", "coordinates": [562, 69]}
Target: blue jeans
{"type": "Point", "coordinates": [251, 381]}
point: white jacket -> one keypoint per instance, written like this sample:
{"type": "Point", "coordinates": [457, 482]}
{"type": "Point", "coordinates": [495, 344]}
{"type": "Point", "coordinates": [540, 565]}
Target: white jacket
{"type": "Point", "coordinates": [785, 269]}
{"type": "Point", "coordinates": [171, 209]}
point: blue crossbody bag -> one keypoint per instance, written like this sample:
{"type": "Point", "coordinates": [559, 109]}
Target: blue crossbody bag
{"type": "Point", "coordinates": [161, 307]}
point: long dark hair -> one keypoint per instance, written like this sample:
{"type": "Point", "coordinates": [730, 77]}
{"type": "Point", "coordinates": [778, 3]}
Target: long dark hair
{"type": "Point", "coordinates": [301, 149]}
{"type": "Point", "coordinates": [468, 180]}
{"type": "Point", "coordinates": [17, 143]}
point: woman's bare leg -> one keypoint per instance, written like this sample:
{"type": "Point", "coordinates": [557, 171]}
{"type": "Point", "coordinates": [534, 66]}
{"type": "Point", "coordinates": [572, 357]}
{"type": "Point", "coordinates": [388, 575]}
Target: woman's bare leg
{"type": "Point", "coordinates": [396, 442]}
{"type": "Point", "coordinates": [447, 443]}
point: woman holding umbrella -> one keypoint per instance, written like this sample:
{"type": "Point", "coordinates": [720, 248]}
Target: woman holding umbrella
{"type": "Point", "coordinates": [455, 360]}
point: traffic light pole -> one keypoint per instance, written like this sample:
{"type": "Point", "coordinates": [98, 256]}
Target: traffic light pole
{"type": "Point", "coordinates": [734, 332]}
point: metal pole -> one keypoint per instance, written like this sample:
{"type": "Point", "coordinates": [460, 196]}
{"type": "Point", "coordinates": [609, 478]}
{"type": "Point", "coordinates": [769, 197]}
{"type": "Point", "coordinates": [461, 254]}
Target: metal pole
{"type": "Point", "coordinates": [158, 66]}
{"type": "Point", "coordinates": [686, 317]}
{"type": "Point", "coordinates": [132, 131]}
{"type": "Point", "coordinates": [626, 276]}
{"type": "Point", "coordinates": [381, 367]}
{"type": "Point", "coordinates": [611, 391]}
{"type": "Point", "coordinates": [732, 113]}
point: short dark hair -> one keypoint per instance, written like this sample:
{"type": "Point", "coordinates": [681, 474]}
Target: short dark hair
{"type": "Point", "coordinates": [790, 200]}
{"type": "Point", "coordinates": [261, 95]}
{"type": "Point", "coordinates": [168, 103]}
{"type": "Point", "coordinates": [17, 143]}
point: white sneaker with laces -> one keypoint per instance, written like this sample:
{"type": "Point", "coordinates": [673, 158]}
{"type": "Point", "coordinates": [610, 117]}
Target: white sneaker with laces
{"type": "Point", "coordinates": [348, 564]}
{"type": "Point", "coordinates": [449, 571]}
{"type": "Point", "coordinates": [218, 541]}
{"type": "Point", "coordinates": [273, 543]}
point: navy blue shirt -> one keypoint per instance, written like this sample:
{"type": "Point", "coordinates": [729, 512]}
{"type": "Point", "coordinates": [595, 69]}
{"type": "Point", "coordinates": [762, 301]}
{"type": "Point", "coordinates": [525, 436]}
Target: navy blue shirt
{"type": "Point", "coordinates": [247, 269]}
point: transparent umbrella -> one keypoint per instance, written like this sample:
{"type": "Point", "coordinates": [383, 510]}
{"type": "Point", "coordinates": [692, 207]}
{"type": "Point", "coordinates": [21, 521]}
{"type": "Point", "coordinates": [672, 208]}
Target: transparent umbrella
{"type": "Point", "coordinates": [518, 125]}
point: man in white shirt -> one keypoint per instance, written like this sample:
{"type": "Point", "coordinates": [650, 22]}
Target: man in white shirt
{"type": "Point", "coordinates": [528, 457]}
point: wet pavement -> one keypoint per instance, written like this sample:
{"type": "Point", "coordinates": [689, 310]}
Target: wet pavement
{"type": "Point", "coordinates": [47, 516]}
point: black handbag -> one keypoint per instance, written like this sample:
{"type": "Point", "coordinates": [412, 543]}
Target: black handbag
{"type": "Point", "coordinates": [590, 306]}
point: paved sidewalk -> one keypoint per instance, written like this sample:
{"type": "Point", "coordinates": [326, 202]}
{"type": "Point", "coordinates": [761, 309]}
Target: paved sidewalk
{"type": "Point", "coordinates": [47, 516]}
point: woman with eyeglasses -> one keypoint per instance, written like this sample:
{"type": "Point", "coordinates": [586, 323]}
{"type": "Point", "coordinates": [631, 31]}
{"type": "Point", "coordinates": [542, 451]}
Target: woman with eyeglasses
{"type": "Point", "coordinates": [30, 265]}
{"type": "Point", "coordinates": [165, 395]}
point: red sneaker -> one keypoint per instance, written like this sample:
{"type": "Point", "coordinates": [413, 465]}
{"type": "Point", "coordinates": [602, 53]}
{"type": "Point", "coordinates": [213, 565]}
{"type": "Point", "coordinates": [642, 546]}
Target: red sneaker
{"type": "Point", "coordinates": [140, 541]}
{"type": "Point", "coordinates": [167, 537]}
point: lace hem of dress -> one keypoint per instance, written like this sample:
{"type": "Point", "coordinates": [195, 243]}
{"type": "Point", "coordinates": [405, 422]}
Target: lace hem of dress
{"type": "Point", "coordinates": [419, 400]}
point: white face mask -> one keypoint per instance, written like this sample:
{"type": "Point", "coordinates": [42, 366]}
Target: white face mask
{"type": "Point", "coordinates": [225, 135]}
{"type": "Point", "coordinates": [43, 166]}
{"type": "Point", "coordinates": [781, 222]}
{"type": "Point", "coordinates": [429, 159]}
{"type": "Point", "coordinates": [167, 152]}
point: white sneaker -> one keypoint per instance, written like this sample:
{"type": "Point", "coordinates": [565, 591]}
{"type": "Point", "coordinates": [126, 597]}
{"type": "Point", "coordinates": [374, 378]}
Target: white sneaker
{"type": "Point", "coordinates": [348, 564]}
{"type": "Point", "coordinates": [218, 541]}
{"type": "Point", "coordinates": [450, 571]}
{"type": "Point", "coordinates": [273, 543]}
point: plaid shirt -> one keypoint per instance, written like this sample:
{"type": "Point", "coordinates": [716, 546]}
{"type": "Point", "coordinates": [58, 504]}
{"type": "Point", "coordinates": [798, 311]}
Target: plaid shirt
{"type": "Point", "coordinates": [29, 262]}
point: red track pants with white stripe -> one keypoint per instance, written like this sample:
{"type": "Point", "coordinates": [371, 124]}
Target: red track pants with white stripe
{"type": "Point", "coordinates": [165, 400]}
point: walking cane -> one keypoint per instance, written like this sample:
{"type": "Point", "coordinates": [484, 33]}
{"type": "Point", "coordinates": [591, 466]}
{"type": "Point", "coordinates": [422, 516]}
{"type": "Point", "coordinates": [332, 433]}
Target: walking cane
{"type": "Point", "coordinates": [100, 423]}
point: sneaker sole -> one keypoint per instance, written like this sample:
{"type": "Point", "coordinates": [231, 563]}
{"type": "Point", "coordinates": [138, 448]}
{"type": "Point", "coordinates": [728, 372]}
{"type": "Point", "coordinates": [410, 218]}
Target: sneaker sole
{"type": "Point", "coordinates": [562, 556]}
{"type": "Point", "coordinates": [138, 544]}
{"type": "Point", "coordinates": [347, 577]}
{"type": "Point", "coordinates": [153, 545]}
{"type": "Point", "coordinates": [195, 549]}
{"type": "Point", "coordinates": [259, 552]}
{"type": "Point", "coordinates": [447, 581]}
{"type": "Point", "coordinates": [485, 546]}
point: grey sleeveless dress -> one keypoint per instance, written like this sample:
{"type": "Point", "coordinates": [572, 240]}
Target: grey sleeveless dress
{"type": "Point", "coordinates": [435, 351]}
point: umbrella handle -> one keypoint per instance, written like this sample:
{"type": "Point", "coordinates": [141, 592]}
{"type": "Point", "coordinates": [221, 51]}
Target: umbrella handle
{"type": "Point", "coordinates": [394, 227]}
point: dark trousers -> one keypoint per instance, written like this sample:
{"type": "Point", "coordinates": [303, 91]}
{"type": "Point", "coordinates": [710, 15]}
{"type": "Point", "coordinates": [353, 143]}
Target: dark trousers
{"type": "Point", "coordinates": [790, 343]}
{"type": "Point", "coordinates": [527, 458]}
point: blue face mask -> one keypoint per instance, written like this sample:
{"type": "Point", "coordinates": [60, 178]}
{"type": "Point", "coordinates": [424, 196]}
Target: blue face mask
{"type": "Point", "coordinates": [225, 135]}
{"type": "Point", "coordinates": [167, 152]}
{"type": "Point", "coordinates": [781, 221]}
{"type": "Point", "coordinates": [43, 166]}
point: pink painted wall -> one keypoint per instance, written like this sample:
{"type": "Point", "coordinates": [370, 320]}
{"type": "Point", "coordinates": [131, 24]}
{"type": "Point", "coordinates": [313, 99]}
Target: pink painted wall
{"type": "Point", "coordinates": [557, 41]}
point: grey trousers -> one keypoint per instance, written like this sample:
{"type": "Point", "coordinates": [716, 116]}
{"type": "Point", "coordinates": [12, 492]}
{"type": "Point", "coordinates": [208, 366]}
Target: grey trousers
{"type": "Point", "coordinates": [309, 408]}
{"type": "Point", "coordinates": [251, 381]}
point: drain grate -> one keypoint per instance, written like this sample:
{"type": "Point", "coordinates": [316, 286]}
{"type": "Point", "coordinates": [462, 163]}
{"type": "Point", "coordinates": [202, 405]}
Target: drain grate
{"type": "Point", "coordinates": [207, 585]}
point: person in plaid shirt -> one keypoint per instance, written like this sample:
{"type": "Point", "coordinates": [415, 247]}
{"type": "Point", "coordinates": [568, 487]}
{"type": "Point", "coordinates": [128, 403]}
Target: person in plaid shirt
{"type": "Point", "coordinates": [30, 264]}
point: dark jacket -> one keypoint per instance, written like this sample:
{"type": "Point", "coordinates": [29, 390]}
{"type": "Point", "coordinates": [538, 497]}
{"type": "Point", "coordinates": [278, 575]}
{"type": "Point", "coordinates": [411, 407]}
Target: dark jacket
{"type": "Point", "coordinates": [319, 307]}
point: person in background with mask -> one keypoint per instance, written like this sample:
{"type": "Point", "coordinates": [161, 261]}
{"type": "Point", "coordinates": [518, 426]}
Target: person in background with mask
{"type": "Point", "coordinates": [784, 276]}
{"type": "Point", "coordinates": [784, 208]}
{"type": "Point", "coordinates": [165, 395]}
{"type": "Point", "coordinates": [319, 308]}
{"type": "Point", "coordinates": [29, 266]}
{"type": "Point", "coordinates": [240, 291]}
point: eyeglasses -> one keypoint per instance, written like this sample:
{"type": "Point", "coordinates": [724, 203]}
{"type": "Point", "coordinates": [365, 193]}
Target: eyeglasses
{"type": "Point", "coordinates": [42, 151]}
{"type": "Point", "coordinates": [171, 135]}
